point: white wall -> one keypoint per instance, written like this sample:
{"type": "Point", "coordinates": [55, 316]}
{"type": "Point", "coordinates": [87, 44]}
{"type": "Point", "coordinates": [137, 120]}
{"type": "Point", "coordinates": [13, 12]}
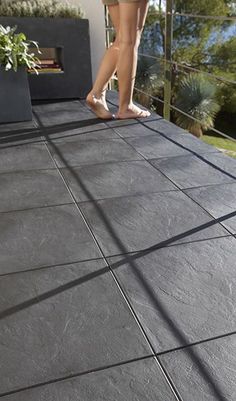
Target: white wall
{"type": "Point", "coordinates": [94, 12]}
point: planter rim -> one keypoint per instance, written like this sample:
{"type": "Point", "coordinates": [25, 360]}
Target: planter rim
{"type": "Point", "coordinates": [44, 18]}
{"type": "Point", "coordinates": [2, 67]}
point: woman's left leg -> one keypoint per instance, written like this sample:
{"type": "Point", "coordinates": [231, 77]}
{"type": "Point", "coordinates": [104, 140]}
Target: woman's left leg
{"type": "Point", "coordinates": [96, 98]}
{"type": "Point", "coordinates": [144, 5]}
{"type": "Point", "coordinates": [109, 63]}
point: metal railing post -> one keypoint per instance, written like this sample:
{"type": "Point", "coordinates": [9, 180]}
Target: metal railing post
{"type": "Point", "coordinates": [168, 58]}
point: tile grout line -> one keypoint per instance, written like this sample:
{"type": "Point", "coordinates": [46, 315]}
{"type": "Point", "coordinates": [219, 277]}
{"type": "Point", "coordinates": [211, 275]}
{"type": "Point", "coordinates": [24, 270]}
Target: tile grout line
{"type": "Point", "coordinates": [77, 375]}
{"type": "Point", "coordinates": [53, 266]}
{"type": "Point", "coordinates": [114, 275]}
{"type": "Point", "coordinates": [180, 189]}
{"type": "Point", "coordinates": [196, 343]}
{"type": "Point", "coordinates": [35, 207]}
{"type": "Point", "coordinates": [75, 202]}
{"type": "Point", "coordinates": [191, 152]}
{"type": "Point", "coordinates": [159, 364]}
{"type": "Point", "coordinates": [131, 253]}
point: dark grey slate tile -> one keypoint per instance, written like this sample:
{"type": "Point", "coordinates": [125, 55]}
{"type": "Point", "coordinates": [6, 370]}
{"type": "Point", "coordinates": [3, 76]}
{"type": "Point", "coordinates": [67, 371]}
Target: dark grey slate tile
{"type": "Point", "coordinates": [178, 291]}
{"type": "Point", "coordinates": [190, 171]}
{"type": "Point", "coordinates": [195, 144]}
{"type": "Point", "coordinates": [155, 146]}
{"type": "Point", "coordinates": [59, 106]}
{"type": "Point", "coordinates": [223, 162]}
{"type": "Point", "coordinates": [205, 372]}
{"type": "Point", "coordinates": [44, 236]}
{"type": "Point", "coordinates": [25, 157]}
{"type": "Point", "coordinates": [62, 321]}
{"type": "Point", "coordinates": [77, 152]}
{"type": "Point", "coordinates": [28, 189]}
{"type": "Point", "coordinates": [23, 138]}
{"type": "Point", "coordinates": [142, 221]}
{"type": "Point", "coordinates": [121, 123]}
{"type": "Point", "coordinates": [218, 200]}
{"type": "Point", "coordinates": [82, 134]}
{"type": "Point", "coordinates": [11, 127]}
{"type": "Point", "coordinates": [139, 381]}
{"type": "Point", "coordinates": [115, 179]}
{"type": "Point", "coordinates": [135, 130]}
{"type": "Point", "coordinates": [61, 112]}
{"type": "Point", "coordinates": [166, 127]}
{"type": "Point", "coordinates": [178, 135]}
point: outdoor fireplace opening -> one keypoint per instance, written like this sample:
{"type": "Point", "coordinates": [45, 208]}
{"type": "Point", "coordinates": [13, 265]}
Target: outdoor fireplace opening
{"type": "Point", "coordinates": [51, 61]}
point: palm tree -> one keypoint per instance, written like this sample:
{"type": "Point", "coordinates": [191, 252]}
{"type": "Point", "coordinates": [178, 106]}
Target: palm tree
{"type": "Point", "coordinates": [150, 80]}
{"type": "Point", "coordinates": [196, 97]}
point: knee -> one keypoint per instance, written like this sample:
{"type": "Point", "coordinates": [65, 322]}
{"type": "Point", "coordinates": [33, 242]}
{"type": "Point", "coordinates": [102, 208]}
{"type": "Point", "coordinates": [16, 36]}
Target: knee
{"type": "Point", "coordinates": [116, 42]}
{"type": "Point", "coordinates": [130, 41]}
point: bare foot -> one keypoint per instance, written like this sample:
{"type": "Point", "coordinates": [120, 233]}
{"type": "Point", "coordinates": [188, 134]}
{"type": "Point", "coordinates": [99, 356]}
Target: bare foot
{"type": "Point", "coordinates": [99, 106]}
{"type": "Point", "coordinates": [133, 112]}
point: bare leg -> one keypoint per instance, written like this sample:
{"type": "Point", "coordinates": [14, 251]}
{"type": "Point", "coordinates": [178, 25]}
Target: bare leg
{"type": "Point", "coordinates": [144, 5]}
{"type": "Point", "coordinates": [96, 98]}
{"type": "Point", "coordinates": [132, 18]}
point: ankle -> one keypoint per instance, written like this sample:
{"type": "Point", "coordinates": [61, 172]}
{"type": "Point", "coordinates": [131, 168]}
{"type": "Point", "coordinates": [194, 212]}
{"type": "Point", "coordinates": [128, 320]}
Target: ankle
{"type": "Point", "coordinates": [98, 94]}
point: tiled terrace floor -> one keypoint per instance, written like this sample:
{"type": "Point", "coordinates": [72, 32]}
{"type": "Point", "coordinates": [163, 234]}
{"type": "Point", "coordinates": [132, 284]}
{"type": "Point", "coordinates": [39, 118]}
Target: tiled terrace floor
{"type": "Point", "coordinates": [117, 261]}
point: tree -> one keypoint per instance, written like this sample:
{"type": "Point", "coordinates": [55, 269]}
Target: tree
{"type": "Point", "coordinates": [196, 97]}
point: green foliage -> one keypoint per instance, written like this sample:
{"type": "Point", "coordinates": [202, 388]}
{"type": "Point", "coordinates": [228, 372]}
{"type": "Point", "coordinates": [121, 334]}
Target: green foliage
{"type": "Point", "coordinates": [39, 8]}
{"type": "Point", "coordinates": [14, 49]}
{"type": "Point", "coordinates": [149, 79]}
{"type": "Point", "coordinates": [206, 44]}
{"type": "Point", "coordinates": [196, 97]}
{"type": "Point", "coordinates": [226, 96]}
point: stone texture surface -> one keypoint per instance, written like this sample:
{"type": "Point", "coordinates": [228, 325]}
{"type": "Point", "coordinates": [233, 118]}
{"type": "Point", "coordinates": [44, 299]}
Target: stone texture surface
{"type": "Point", "coordinates": [155, 146]}
{"type": "Point", "coordinates": [135, 223]}
{"type": "Point", "coordinates": [218, 200]}
{"type": "Point", "coordinates": [62, 321]}
{"type": "Point", "coordinates": [110, 180]}
{"type": "Point", "coordinates": [44, 236]}
{"type": "Point", "coordinates": [5, 128]}
{"type": "Point", "coordinates": [83, 133]}
{"type": "Point", "coordinates": [183, 293]}
{"type": "Point", "coordinates": [139, 381]}
{"type": "Point", "coordinates": [167, 128]}
{"type": "Point", "coordinates": [25, 157]}
{"type": "Point", "coordinates": [76, 152]}
{"type": "Point", "coordinates": [183, 137]}
{"type": "Point", "coordinates": [73, 328]}
{"type": "Point", "coordinates": [223, 163]}
{"type": "Point", "coordinates": [28, 189]}
{"type": "Point", "coordinates": [205, 372]}
{"type": "Point", "coordinates": [190, 171]}
{"type": "Point", "coordinates": [134, 130]}
{"type": "Point", "coordinates": [57, 113]}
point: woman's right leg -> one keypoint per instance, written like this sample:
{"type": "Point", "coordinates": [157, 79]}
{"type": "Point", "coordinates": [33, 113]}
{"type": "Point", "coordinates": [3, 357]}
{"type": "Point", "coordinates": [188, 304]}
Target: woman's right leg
{"type": "Point", "coordinates": [106, 70]}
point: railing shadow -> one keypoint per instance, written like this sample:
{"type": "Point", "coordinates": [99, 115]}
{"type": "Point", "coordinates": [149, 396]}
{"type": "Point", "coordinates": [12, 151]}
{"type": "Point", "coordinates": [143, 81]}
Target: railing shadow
{"type": "Point", "coordinates": [180, 336]}
{"type": "Point", "coordinates": [24, 135]}
{"type": "Point", "coordinates": [130, 260]}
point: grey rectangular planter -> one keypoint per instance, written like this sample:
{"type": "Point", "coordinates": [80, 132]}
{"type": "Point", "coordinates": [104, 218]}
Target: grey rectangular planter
{"type": "Point", "coordinates": [15, 102]}
{"type": "Point", "coordinates": [72, 37]}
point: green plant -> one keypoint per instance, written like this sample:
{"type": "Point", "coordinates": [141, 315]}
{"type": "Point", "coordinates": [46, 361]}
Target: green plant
{"type": "Point", "coordinates": [39, 8]}
{"type": "Point", "coordinates": [14, 49]}
{"type": "Point", "coordinates": [196, 97]}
